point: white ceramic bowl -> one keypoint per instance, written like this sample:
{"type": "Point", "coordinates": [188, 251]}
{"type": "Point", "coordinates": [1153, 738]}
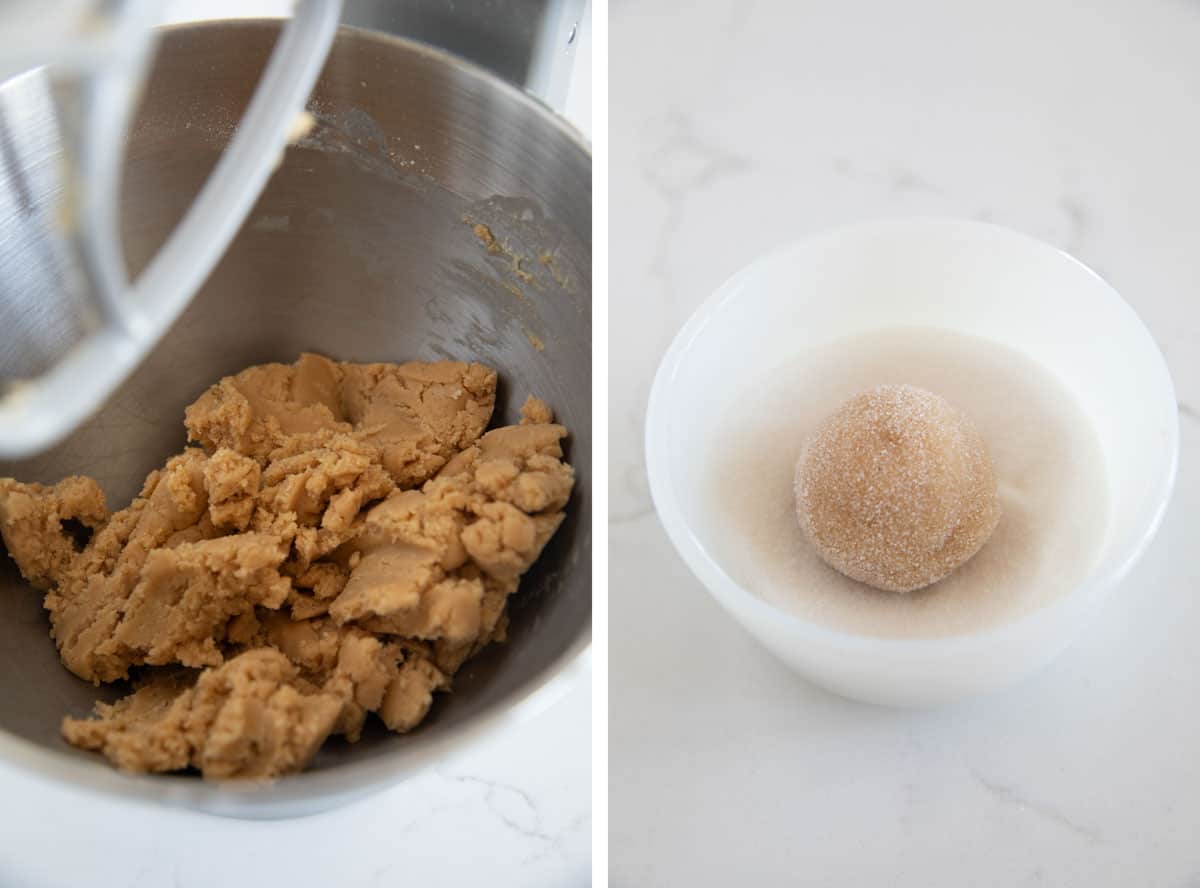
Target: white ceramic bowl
{"type": "Point", "coordinates": [956, 275]}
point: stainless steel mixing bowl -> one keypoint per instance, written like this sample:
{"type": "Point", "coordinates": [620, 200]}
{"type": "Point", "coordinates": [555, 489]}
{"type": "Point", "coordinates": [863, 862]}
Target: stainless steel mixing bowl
{"type": "Point", "coordinates": [362, 247]}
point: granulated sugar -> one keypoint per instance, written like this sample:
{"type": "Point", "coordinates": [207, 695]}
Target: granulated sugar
{"type": "Point", "coordinates": [1049, 469]}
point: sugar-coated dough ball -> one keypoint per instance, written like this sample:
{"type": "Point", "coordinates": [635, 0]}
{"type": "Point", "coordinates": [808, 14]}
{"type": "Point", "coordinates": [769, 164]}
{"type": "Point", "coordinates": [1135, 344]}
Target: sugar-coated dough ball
{"type": "Point", "coordinates": [896, 489]}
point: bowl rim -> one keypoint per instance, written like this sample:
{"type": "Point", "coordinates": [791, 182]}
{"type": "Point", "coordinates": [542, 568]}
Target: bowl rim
{"type": "Point", "coordinates": [739, 601]}
{"type": "Point", "coordinates": [310, 792]}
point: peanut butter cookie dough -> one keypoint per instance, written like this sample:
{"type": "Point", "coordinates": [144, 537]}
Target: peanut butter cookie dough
{"type": "Point", "coordinates": [896, 489]}
{"type": "Point", "coordinates": [344, 538]}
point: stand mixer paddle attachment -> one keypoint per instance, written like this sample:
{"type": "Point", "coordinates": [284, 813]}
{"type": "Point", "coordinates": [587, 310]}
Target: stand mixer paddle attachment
{"type": "Point", "coordinates": [73, 325]}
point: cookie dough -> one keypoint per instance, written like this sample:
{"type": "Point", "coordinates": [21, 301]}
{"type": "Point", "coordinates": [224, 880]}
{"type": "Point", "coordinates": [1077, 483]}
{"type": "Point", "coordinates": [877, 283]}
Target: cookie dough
{"type": "Point", "coordinates": [896, 489]}
{"type": "Point", "coordinates": [342, 540]}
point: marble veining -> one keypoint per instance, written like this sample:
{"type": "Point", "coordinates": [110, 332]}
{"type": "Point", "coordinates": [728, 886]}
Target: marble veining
{"type": "Point", "coordinates": [1005, 794]}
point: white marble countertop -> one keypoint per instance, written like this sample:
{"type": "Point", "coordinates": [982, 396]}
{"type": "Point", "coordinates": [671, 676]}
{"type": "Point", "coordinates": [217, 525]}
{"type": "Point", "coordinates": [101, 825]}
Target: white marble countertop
{"type": "Point", "coordinates": [513, 811]}
{"type": "Point", "coordinates": [755, 123]}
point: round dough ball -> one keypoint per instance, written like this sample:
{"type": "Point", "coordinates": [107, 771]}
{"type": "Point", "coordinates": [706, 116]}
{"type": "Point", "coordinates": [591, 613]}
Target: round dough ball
{"type": "Point", "coordinates": [896, 489]}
